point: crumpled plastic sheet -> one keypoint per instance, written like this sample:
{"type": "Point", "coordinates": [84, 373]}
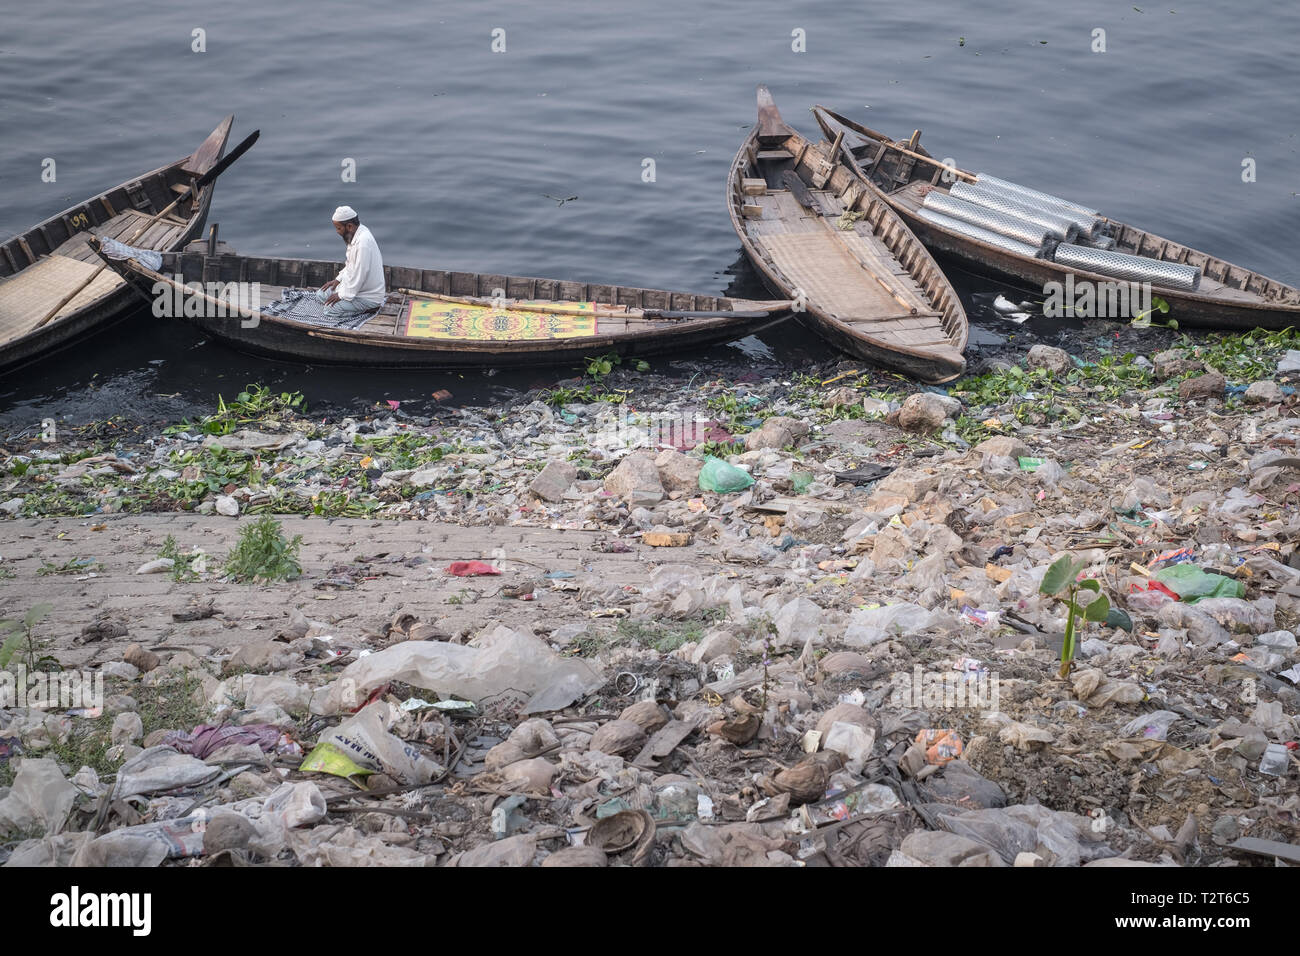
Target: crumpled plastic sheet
{"type": "Point", "coordinates": [158, 769]}
{"type": "Point", "coordinates": [497, 661]}
{"type": "Point", "coordinates": [345, 846]}
{"type": "Point", "coordinates": [1024, 829]}
{"type": "Point", "coordinates": [290, 805]}
{"type": "Point", "coordinates": [869, 626]}
{"type": "Point", "coordinates": [40, 797]}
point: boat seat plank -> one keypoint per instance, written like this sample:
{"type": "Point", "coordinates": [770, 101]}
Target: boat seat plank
{"type": "Point", "coordinates": [27, 297]}
{"type": "Point", "coordinates": [781, 207]}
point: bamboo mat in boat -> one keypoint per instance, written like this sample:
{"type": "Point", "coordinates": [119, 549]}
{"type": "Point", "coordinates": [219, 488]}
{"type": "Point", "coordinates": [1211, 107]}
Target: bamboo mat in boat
{"type": "Point", "coordinates": [480, 323]}
{"type": "Point", "coordinates": [27, 297]}
{"type": "Point", "coordinates": [833, 277]}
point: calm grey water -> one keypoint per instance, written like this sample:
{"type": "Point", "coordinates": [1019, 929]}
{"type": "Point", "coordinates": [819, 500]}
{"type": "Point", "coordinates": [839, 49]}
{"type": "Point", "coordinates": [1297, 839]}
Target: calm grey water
{"type": "Point", "coordinates": [456, 146]}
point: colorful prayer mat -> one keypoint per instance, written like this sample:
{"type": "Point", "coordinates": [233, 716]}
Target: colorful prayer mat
{"type": "Point", "coordinates": [481, 323]}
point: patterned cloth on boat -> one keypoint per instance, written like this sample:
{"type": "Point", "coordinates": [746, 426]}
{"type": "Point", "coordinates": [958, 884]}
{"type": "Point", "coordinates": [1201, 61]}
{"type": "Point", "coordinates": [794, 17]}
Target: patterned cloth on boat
{"type": "Point", "coordinates": [148, 258]}
{"type": "Point", "coordinates": [482, 323]}
{"type": "Point", "coordinates": [301, 305]}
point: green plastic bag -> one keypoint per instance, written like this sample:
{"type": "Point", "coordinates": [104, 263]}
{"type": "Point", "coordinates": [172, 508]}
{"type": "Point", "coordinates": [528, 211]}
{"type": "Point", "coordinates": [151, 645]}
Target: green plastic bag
{"type": "Point", "coordinates": [1191, 584]}
{"type": "Point", "coordinates": [717, 475]}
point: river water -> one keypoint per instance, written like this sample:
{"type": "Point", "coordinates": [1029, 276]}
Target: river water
{"type": "Point", "coordinates": [458, 145]}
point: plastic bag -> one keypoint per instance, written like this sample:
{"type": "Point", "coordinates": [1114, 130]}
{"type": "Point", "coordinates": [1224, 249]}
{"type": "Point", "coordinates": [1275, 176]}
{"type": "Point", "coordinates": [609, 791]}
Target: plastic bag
{"type": "Point", "coordinates": [40, 796]}
{"type": "Point", "coordinates": [158, 769]}
{"type": "Point", "coordinates": [871, 625]}
{"type": "Point", "coordinates": [1152, 726]}
{"type": "Point", "coordinates": [717, 475]}
{"type": "Point", "coordinates": [367, 743]}
{"type": "Point", "coordinates": [496, 661]}
{"type": "Point", "coordinates": [469, 569]}
{"type": "Point", "coordinates": [1191, 583]}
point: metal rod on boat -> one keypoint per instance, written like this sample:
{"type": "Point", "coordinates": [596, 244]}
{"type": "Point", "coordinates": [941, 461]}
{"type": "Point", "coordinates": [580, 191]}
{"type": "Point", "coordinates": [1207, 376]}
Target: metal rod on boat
{"type": "Point", "coordinates": [1033, 193]}
{"type": "Point", "coordinates": [1087, 223]}
{"type": "Point", "coordinates": [975, 232]}
{"type": "Point", "coordinates": [1026, 232]}
{"type": "Point", "coordinates": [1059, 225]}
{"type": "Point", "coordinates": [1121, 265]}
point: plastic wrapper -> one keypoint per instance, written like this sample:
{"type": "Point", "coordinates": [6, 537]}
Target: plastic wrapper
{"type": "Point", "coordinates": [941, 745]}
{"type": "Point", "coordinates": [870, 798]}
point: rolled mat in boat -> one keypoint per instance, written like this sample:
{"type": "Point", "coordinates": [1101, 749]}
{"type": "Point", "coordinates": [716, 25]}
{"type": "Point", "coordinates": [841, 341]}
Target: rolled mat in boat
{"type": "Point", "coordinates": [976, 232]}
{"type": "Point", "coordinates": [1061, 227]}
{"type": "Point", "coordinates": [1034, 193]}
{"type": "Point", "coordinates": [1086, 223]}
{"type": "Point", "coordinates": [1172, 275]}
{"type": "Point", "coordinates": [985, 218]}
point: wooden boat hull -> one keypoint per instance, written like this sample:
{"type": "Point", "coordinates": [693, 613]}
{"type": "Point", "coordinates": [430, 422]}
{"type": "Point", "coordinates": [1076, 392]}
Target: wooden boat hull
{"type": "Point", "coordinates": [285, 339]}
{"type": "Point", "coordinates": [916, 326]}
{"type": "Point", "coordinates": [1241, 300]}
{"type": "Point", "coordinates": [150, 191]}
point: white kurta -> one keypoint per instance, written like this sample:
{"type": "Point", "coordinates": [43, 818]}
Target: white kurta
{"type": "Point", "coordinates": [363, 273]}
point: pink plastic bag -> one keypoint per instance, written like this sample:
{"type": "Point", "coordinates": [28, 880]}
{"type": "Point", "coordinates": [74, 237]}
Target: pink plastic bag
{"type": "Point", "coordinates": [469, 569]}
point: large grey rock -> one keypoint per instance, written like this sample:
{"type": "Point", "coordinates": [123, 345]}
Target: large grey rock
{"type": "Point", "coordinates": [554, 480]}
{"type": "Point", "coordinates": [1263, 393]}
{"type": "Point", "coordinates": [1209, 386]}
{"type": "Point", "coordinates": [636, 481]}
{"type": "Point", "coordinates": [1172, 363]}
{"type": "Point", "coordinates": [777, 432]}
{"type": "Point", "coordinates": [678, 472]}
{"type": "Point", "coordinates": [1003, 446]}
{"type": "Point", "coordinates": [128, 728]}
{"type": "Point", "coordinates": [923, 412]}
{"type": "Point", "coordinates": [1045, 356]}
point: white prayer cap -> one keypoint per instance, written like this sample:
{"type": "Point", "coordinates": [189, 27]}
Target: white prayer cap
{"type": "Point", "coordinates": [344, 214]}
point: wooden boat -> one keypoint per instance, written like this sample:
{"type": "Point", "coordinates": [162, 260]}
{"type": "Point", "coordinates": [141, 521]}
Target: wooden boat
{"type": "Point", "coordinates": [871, 288]}
{"type": "Point", "coordinates": [1229, 296]}
{"type": "Point", "coordinates": [39, 268]}
{"type": "Point", "coordinates": [438, 319]}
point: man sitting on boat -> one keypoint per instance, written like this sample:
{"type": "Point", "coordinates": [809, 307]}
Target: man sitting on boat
{"type": "Point", "coordinates": [360, 286]}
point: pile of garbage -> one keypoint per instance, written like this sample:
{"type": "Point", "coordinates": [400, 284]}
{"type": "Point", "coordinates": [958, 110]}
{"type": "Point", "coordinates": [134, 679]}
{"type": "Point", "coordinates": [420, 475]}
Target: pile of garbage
{"type": "Point", "coordinates": [847, 649]}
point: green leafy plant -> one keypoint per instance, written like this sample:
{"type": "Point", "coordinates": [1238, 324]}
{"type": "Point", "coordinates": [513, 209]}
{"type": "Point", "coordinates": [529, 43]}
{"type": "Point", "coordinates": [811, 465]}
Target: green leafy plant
{"type": "Point", "coordinates": [262, 553]}
{"type": "Point", "coordinates": [18, 635]}
{"type": "Point", "coordinates": [1143, 319]}
{"type": "Point", "coordinates": [601, 365]}
{"type": "Point", "coordinates": [182, 562]}
{"type": "Point", "coordinates": [71, 566]}
{"type": "Point", "coordinates": [1062, 580]}
{"type": "Point", "coordinates": [254, 404]}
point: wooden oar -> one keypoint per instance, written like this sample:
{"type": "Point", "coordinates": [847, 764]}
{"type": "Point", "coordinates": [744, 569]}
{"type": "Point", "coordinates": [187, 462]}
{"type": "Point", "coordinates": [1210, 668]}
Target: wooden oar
{"type": "Point", "coordinates": [193, 190]}
{"type": "Point", "coordinates": [610, 313]}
